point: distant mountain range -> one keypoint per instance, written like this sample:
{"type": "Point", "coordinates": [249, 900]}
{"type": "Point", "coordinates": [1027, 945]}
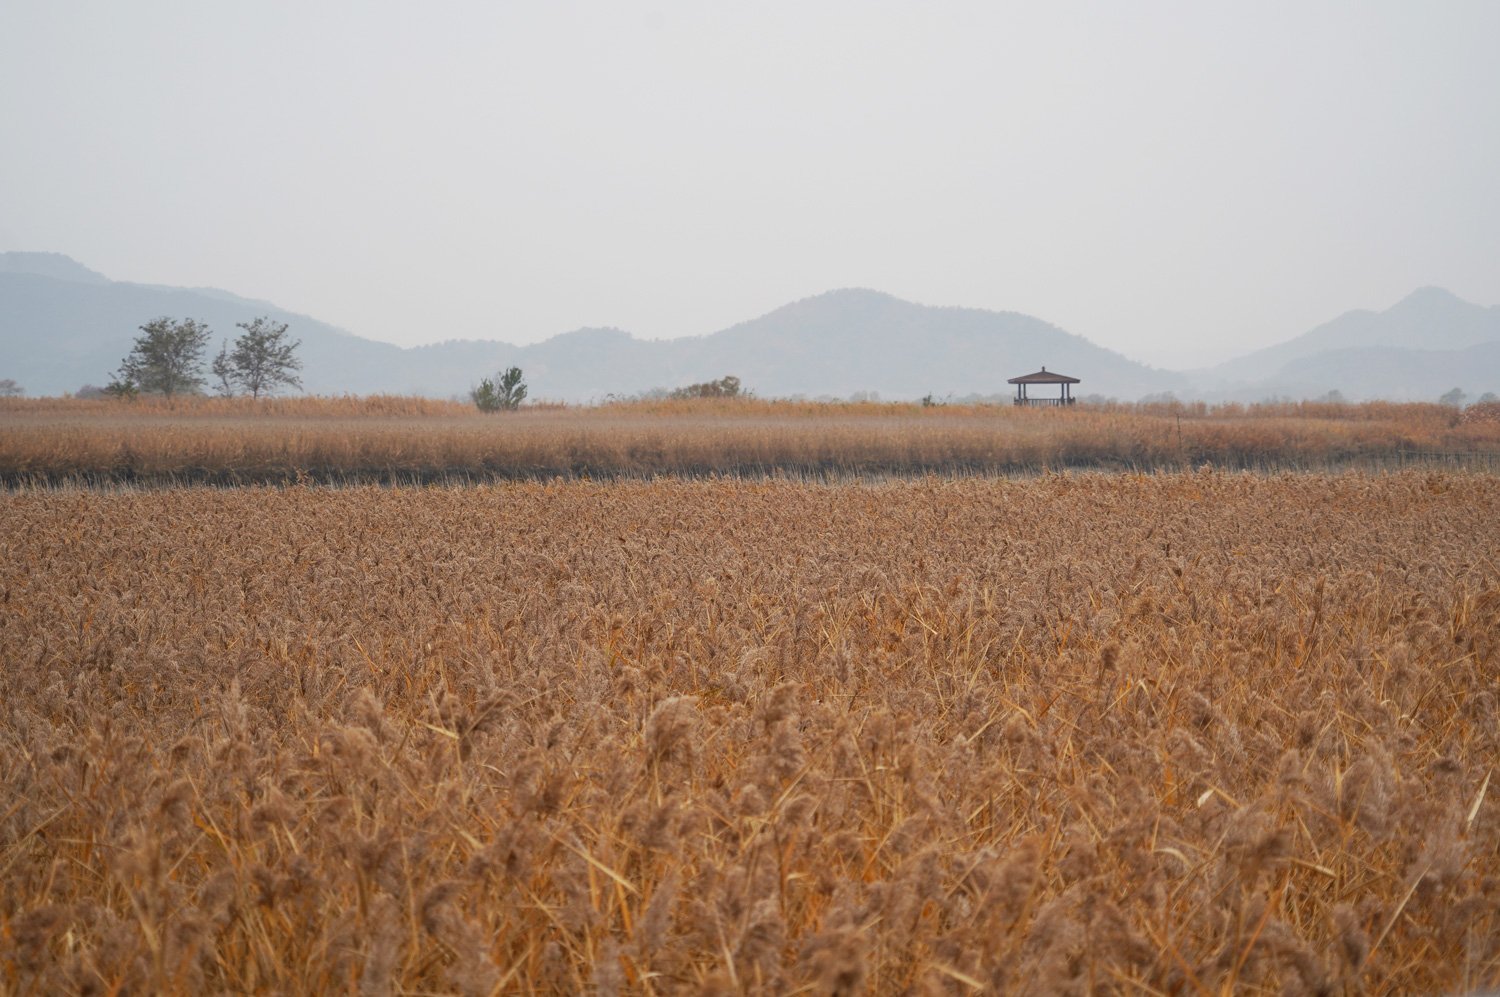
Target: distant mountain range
{"type": "Point", "coordinates": [1425, 344]}
{"type": "Point", "coordinates": [63, 325]}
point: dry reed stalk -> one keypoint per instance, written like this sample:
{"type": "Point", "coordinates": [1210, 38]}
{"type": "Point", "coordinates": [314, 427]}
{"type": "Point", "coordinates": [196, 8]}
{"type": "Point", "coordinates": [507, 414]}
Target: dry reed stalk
{"type": "Point", "coordinates": [1196, 732]}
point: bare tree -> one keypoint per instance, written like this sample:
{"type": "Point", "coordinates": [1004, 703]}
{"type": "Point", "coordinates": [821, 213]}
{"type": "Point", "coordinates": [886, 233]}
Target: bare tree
{"type": "Point", "coordinates": [224, 371]}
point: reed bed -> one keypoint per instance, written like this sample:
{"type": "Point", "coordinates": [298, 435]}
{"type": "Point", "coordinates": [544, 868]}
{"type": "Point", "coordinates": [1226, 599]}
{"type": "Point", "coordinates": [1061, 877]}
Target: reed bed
{"type": "Point", "coordinates": [1196, 733]}
{"type": "Point", "coordinates": [237, 440]}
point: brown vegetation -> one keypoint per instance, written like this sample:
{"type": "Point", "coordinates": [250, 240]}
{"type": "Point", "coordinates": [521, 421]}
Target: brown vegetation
{"type": "Point", "coordinates": [352, 439]}
{"type": "Point", "coordinates": [1182, 734]}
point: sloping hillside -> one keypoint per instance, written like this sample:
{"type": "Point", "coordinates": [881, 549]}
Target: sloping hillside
{"type": "Point", "coordinates": [1429, 338]}
{"type": "Point", "coordinates": [62, 325]}
{"type": "Point", "coordinates": [57, 334]}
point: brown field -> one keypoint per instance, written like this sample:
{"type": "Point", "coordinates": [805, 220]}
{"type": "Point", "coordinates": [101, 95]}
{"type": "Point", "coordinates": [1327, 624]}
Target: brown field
{"type": "Point", "coordinates": [411, 439]}
{"type": "Point", "coordinates": [1198, 733]}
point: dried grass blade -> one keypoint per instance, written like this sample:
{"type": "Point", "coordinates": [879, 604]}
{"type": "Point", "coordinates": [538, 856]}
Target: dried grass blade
{"type": "Point", "coordinates": [1478, 799]}
{"type": "Point", "coordinates": [600, 866]}
{"type": "Point", "coordinates": [954, 974]}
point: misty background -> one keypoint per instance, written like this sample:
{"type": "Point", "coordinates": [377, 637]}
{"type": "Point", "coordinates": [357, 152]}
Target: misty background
{"type": "Point", "coordinates": [1180, 184]}
{"type": "Point", "coordinates": [62, 323]}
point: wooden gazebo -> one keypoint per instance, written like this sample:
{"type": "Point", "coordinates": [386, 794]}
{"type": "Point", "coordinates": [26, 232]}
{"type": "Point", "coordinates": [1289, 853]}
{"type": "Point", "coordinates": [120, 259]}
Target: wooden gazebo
{"type": "Point", "coordinates": [1044, 376]}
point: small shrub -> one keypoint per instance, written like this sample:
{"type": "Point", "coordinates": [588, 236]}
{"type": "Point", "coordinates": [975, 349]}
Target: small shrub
{"type": "Point", "coordinates": [724, 387]}
{"type": "Point", "coordinates": [503, 394]}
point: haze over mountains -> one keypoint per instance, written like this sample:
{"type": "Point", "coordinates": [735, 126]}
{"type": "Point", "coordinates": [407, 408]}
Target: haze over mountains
{"type": "Point", "coordinates": [1426, 343]}
{"type": "Point", "coordinates": [63, 325]}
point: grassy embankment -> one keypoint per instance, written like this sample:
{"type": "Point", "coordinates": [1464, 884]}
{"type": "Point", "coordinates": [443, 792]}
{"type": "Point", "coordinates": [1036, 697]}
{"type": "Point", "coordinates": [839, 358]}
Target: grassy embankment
{"type": "Point", "coordinates": [406, 439]}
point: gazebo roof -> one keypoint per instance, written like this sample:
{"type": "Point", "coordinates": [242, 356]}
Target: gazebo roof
{"type": "Point", "coordinates": [1043, 376]}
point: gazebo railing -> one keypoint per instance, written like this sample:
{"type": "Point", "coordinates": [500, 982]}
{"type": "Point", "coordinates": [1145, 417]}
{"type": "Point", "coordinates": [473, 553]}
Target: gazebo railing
{"type": "Point", "coordinates": [1045, 401]}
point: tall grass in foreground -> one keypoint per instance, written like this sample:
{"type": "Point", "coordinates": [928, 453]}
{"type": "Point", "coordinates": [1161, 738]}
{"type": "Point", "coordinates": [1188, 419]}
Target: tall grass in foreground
{"type": "Point", "coordinates": [235, 439]}
{"type": "Point", "coordinates": [1184, 734]}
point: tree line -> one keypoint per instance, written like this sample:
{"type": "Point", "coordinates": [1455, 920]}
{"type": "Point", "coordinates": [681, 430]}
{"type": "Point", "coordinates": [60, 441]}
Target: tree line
{"type": "Point", "coordinates": [167, 360]}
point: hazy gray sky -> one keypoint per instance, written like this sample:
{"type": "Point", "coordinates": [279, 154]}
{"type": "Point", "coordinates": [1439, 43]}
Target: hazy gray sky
{"type": "Point", "coordinates": [1177, 181]}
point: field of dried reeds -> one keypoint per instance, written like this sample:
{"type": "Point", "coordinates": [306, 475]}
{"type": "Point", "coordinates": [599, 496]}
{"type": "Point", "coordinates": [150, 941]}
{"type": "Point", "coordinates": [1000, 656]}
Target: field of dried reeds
{"type": "Point", "coordinates": [1197, 733]}
{"type": "Point", "coordinates": [352, 440]}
